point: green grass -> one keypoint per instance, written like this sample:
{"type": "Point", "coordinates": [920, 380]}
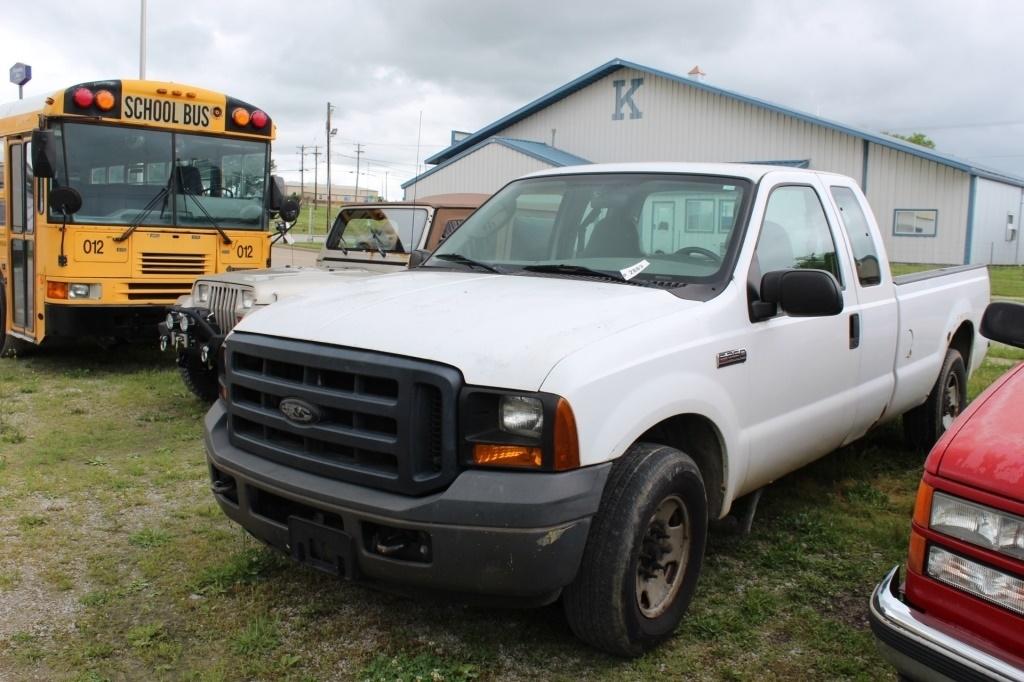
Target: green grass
{"type": "Point", "coordinates": [1007, 281]}
{"type": "Point", "coordinates": [117, 564]}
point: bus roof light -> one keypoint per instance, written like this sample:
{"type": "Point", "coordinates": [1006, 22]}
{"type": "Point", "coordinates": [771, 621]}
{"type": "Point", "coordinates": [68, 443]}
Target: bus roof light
{"type": "Point", "coordinates": [259, 119]}
{"type": "Point", "coordinates": [240, 116]}
{"type": "Point", "coordinates": [105, 100]}
{"type": "Point", "coordinates": [83, 98]}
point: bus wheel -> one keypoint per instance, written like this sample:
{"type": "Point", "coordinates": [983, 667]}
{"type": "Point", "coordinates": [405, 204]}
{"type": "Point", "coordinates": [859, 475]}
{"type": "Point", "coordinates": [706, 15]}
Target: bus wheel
{"type": "Point", "coordinates": [199, 379]}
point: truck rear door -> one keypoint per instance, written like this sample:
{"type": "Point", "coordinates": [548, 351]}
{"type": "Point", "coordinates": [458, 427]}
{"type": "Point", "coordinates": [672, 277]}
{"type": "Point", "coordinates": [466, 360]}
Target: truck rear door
{"type": "Point", "coordinates": [874, 323]}
{"type": "Point", "coordinates": [803, 370]}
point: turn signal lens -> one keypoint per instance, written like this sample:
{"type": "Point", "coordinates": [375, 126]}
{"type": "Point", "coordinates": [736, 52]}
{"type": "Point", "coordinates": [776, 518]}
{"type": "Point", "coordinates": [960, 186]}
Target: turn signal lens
{"type": "Point", "coordinates": [83, 98]}
{"type": "Point", "coordinates": [923, 504]}
{"type": "Point", "coordinates": [507, 455]}
{"type": "Point", "coordinates": [259, 119]}
{"type": "Point", "coordinates": [240, 116]}
{"type": "Point", "coordinates": [567, 441]}
{"type": "Point", "coordinates": [56, 289]}
{"type": "Point", "coordinates": [915, 558]}
{"type": "Point", "coordinates": [105, 100]}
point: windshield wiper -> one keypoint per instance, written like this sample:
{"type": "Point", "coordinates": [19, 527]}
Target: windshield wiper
{"type": "Point", "coordinates": [146, 210]}
{"type": "Point", "coordinates": [380, 244]}
{"type": "Point", "coordinates": [567, 269]}
{"type": "Point", "coordinates": [466, 260]}
{"type": "Point", "coordinates": [195, 198]}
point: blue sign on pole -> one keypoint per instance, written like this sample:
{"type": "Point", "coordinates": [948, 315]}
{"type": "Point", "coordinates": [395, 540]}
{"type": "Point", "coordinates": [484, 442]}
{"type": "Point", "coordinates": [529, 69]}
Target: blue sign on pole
{"type": "Point", "coordinates": [21, 73]}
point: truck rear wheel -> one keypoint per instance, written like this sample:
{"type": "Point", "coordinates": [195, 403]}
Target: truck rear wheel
{"type": "Point", "coordinates": [199, 379]}
{"type": "Point", "coordinates": [643, 554]}
{"type": "Point", "coordinates": [925, 424]}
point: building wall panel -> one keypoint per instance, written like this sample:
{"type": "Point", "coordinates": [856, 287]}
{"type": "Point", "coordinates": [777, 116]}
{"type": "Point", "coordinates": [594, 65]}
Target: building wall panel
{"type": "Point", "coordinates": [993, 203]}
{"type": "Point", "coordinates": [897, 180]}
{"type": "Point", "coordinates": [485, 170]}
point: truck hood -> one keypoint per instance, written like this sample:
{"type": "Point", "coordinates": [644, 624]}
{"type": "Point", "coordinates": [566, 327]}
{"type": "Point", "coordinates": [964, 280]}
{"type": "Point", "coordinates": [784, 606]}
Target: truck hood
{"type": "Point", "coordinates": [500, 330]}
{"type": "Point", "coordinates": [280, 273]}
{"type": "Point", "coordinates": [987, 450]}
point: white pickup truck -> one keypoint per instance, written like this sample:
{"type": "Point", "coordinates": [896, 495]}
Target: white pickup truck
{"type": "Point", "coordinates": [364, 240]}
{"type": "Point", "coordinates": [599, 361]}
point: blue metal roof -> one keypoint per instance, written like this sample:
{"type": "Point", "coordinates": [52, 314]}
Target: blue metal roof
{"type": "Point", "coordinates": [616, 64]}
{"type": "Point", "coordinates": [537, 150]}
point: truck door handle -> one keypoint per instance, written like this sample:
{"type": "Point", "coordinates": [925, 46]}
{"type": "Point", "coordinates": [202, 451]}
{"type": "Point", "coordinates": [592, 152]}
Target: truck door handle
{"type": "Point", "coordinates": [854, 330]}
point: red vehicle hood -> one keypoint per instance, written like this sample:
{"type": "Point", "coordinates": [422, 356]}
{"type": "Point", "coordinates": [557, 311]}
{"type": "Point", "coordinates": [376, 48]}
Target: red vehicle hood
{"type": "Point", "coordinates": [984, 448]}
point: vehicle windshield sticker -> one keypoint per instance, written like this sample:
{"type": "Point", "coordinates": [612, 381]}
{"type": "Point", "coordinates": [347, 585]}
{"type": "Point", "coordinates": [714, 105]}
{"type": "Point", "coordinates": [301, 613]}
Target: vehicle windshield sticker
{"type": "Point", "coordinates": [633, 270]}
{"type": "Point", "coordinates": [728, 188]}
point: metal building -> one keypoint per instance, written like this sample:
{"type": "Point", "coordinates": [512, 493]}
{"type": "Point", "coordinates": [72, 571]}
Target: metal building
{"type": "Point", "coordinates": [931, 207]}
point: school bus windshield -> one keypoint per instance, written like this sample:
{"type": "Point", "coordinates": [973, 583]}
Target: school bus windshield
{"type": "Point", "coordinates": [132, 176]}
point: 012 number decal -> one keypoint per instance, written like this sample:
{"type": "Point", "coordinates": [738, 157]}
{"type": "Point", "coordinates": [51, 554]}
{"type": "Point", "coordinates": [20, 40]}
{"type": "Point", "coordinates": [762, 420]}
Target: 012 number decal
{"type": "Point", "coordinates": [90, 246]}
{"type": "Point", "coordinates": [244, 251]}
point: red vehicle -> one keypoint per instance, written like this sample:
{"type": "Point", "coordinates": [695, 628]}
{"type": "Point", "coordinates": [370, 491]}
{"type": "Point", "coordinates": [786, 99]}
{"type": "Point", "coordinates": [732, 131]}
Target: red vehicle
{"type": "Point", "coordinates": [960, 615]}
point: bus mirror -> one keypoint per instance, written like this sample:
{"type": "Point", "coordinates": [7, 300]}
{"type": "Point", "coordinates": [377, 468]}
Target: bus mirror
{"type": "Point", "coordinates": [277, 191]}
{"type": "Point", "coordinates": [44, 153]}
{"type": "Point", "coordinates": [65, 200]}
{"type": "Point", "coordinates": [289, 210]}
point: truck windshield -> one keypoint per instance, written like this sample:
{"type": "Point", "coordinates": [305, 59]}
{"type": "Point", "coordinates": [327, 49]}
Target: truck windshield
{"type": "Point", "coordinates": [660, 228]}
{"type": "Point", "coordinates": [121, 171]}
{"type": "Point", "coordinates": [392, 229]}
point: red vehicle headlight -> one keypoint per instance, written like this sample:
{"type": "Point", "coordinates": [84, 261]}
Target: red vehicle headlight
{"type": "Point", "coordinates": [977, 524]}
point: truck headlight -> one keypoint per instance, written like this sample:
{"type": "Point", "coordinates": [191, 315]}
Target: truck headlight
{"type": "Point", "coordinates": [521, 415]}
{"type": "Point", "coordinates": [512, 430]}
{"type": "Point", "coordinates": [248, 299]}
{"type": "Point", "coordinates": [977, 524]}
{"type": "Point", "coordinates": [183, 322]}
{"type": "Point", "coordinates": [977, 579]}
{"type": "Point", "coordinates": [202, 293]}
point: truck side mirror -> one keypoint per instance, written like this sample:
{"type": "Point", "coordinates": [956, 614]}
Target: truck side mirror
{"type": "Point", "coordinates": [1004, 322]}
{"type": "Point", "coordinates": [44, 153]}
{"type": "Point", "coordinates": [418, 257]}
{"type": "Point", "coordinates": [799, 292]}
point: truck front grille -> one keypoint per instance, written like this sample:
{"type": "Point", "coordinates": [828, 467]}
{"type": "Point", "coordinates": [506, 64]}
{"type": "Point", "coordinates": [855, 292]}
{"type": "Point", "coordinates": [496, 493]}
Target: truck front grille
{"type": "Point", "coordinates": [155, 263]}
{"type": "Point", "coordinates": [382, 421]}
{"type": "Point", "coordinates": [224, 300]}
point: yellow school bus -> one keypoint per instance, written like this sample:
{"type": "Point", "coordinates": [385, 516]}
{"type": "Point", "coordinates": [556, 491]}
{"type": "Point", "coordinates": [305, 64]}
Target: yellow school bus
{"type": "Point", "coordinates": [115, 195]}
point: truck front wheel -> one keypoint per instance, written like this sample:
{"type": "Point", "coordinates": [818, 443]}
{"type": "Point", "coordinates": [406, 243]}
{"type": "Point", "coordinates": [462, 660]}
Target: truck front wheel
{"type": "Point", "coordinates": [643, 553]}
{"type": "Point", "coordinates": [925, 424]}
{"type": "Point", "coordinates": [198, 378]}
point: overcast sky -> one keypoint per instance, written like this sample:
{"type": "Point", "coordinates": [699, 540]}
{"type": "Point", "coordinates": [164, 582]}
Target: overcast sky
{"type": "Point", "coordinates": [952, 70]}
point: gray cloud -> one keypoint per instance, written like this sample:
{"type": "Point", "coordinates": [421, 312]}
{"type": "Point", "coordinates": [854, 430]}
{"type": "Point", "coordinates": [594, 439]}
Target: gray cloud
{"type": "Point", "coordinates": [939, 67]}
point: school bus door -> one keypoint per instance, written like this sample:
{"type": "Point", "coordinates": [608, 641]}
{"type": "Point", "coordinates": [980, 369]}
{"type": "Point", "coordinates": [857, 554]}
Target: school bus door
{"type": "Point", "coordinates": [22, 238]}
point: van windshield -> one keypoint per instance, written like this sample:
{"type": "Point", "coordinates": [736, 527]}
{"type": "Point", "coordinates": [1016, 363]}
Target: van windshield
{"type": "Point", "coordinates": [659, 228]}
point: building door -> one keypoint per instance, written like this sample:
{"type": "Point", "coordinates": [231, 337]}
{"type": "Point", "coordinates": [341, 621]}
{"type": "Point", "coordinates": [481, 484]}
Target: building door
{"type": "Point", "coordinates": [22, 241]}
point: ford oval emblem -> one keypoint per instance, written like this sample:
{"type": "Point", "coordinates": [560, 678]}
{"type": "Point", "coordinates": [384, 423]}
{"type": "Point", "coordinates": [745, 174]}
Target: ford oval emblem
{"type": "Point", "coordinates": [299, 411]}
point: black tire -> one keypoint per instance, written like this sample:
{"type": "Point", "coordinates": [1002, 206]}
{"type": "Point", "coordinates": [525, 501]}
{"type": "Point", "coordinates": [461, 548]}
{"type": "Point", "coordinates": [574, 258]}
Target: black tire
{"type": "Point", "coordinates": [925, 424]}
{"type": "Point", "coordinates": [199, 379]}
{"type": "Point", "coordinates": [610, 605]}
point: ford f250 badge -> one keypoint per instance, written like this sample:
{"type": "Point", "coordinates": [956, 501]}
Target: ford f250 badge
{"type": "Point", "coordinates": [299, 411]}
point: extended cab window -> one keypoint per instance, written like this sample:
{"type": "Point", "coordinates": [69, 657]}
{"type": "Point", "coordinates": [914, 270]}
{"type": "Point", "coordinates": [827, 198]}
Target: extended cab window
{"type": "Point", "coordinates": [865, 253]}
{"type": "Point", "coordinates": [795, 233]}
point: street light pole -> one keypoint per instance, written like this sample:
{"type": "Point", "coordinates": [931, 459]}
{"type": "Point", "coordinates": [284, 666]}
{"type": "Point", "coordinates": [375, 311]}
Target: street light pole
{"type": "Point", "coordinates": [142, 42]}
{"type": "Point", "coordinates": [330, 132]}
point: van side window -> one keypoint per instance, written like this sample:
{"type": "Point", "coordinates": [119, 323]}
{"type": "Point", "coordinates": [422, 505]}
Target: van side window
{"type": "Point", "coordinates": [795, 233]}
{"type": "Point", "coordinates": [865, 252]}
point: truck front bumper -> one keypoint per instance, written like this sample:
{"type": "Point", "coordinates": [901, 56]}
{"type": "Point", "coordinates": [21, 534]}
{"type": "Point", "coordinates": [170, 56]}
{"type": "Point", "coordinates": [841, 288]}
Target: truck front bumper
{"type": "Point", "coordinates": [203, 336]}
{"type": "Point", "coordinates": [515, 537]}
{"type": "Point", "coordinates": [923, 648]}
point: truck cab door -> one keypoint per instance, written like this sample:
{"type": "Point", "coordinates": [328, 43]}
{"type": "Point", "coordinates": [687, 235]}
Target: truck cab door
{"type": "Point", "coordinates": [803, 371]}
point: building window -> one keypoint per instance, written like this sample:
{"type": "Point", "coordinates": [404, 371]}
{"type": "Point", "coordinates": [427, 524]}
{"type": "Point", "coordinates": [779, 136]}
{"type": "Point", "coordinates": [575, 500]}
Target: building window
{"type": "Point", "coordinates": [700, 215]}
{"type": "Point", "coordinates": [1011, 227]}
{"type": "Point", "coordinates": [915, 222]}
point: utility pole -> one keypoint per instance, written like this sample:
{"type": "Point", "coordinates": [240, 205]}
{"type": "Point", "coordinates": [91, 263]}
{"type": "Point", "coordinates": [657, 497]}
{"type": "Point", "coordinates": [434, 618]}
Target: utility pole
{"type": "Point", "coordinates": [316, 187]}
{"type": "Point", "coordinates": [302, 173]}
{"type": "Point", "coordinates": [142, 42]}
{"type": "Point", "coordinates": [330, 131]}
{"type": "Point", "coordinates": [359, 153]}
